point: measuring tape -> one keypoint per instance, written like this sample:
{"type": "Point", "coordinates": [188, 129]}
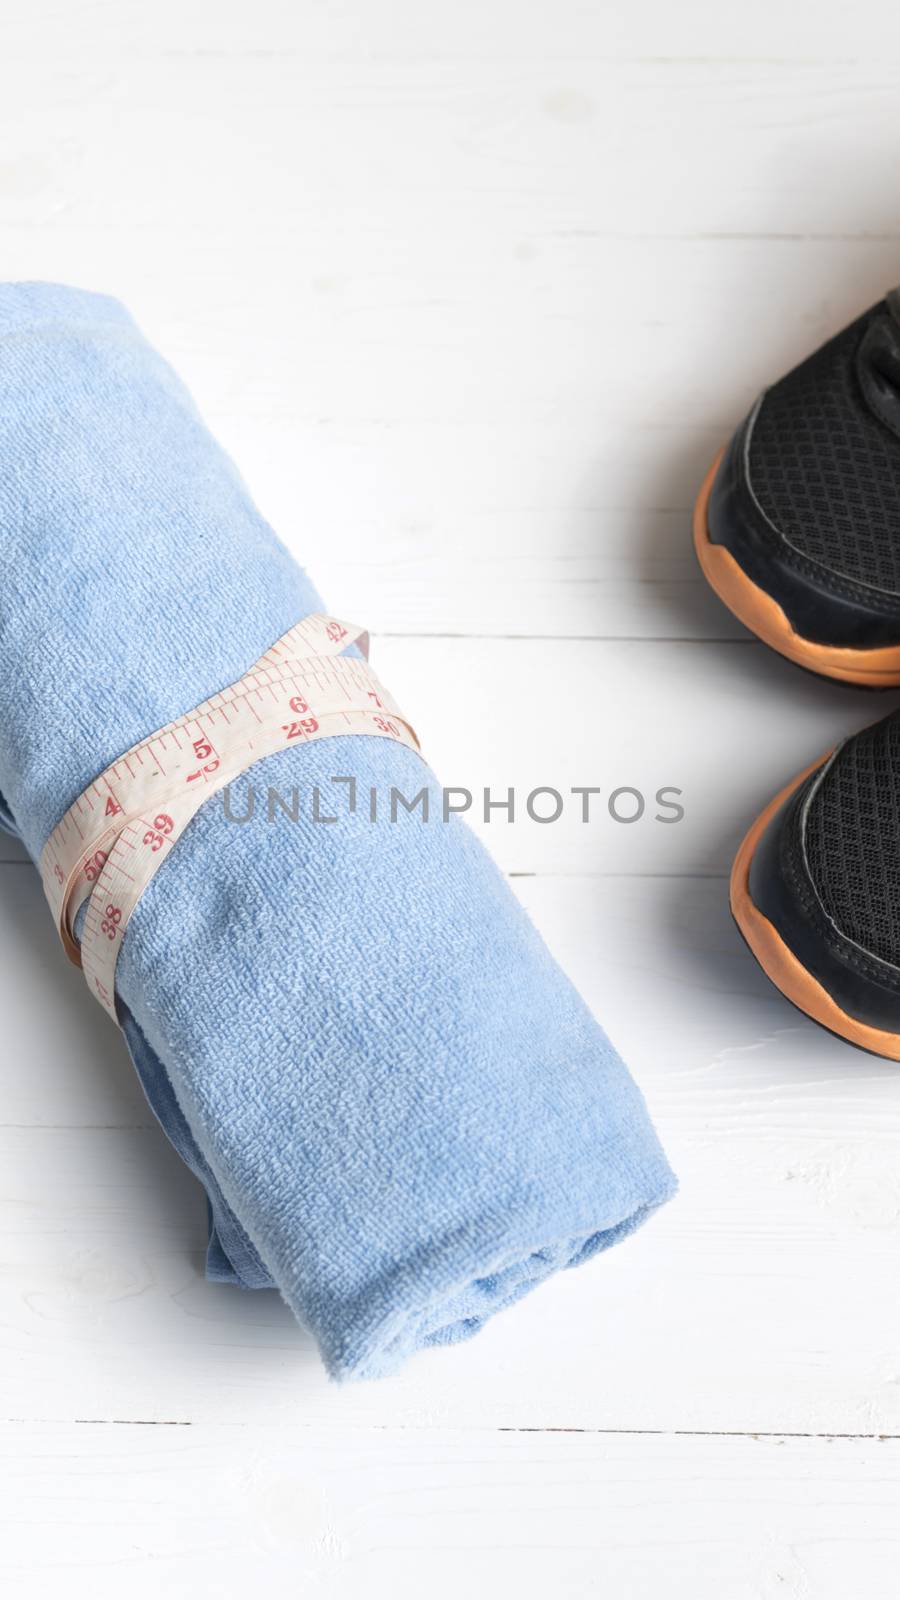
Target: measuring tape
{"type": "Point", "coordinates": [115, 837]}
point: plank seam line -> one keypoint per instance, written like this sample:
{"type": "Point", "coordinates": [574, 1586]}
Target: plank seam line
{"type": "Point", "coordinates": [635, 1433]}
{"type": "Point", "coordinates": [711, 1433]}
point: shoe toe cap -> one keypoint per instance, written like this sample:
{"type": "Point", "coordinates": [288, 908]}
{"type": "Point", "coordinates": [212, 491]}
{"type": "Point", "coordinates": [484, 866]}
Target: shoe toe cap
{"type": "Point", "coordinates": [809, 884]}
{"type": "Point", "coordinates": [819, 605]}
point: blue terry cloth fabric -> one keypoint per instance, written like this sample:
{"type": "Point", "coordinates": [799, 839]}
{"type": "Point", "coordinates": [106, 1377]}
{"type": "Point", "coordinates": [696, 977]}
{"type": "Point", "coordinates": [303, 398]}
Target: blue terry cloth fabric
{"type": "Point", "coordinates": [403, 1115]}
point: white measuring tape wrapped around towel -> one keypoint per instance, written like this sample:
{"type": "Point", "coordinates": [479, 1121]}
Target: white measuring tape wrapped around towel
{"type": "Point", "coordinates": [115, 837]}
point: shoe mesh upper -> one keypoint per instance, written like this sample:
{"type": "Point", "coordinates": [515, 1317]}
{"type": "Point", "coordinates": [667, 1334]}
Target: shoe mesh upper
{"type": "Point", "coordinates": [826, 471]}
{"type": "Point", "coordinates": [852, 839]}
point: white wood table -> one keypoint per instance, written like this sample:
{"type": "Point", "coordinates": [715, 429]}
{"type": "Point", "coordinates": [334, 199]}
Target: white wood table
{"type": "Point", "coordinates": [473, 293]}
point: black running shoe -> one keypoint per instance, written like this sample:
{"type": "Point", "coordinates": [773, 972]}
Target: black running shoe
{"type": "Point", "coordinates": [815, 890]}
{"type": "Point", "coordinates": [797, 526]}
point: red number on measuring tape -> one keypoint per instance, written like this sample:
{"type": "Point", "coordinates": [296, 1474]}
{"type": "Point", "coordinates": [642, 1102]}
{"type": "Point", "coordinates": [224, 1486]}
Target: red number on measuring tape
{"type": "Point", "coordinates": [94, 866]}
{"type": "Point", "coordinates": [211, 766]}
{"type": "Point", "coordinates": [295, 730]}
{"type": "Point", "coordinates": [110, 923]}
{"type": "Point", "coordinates": [335, 632]}
{"type": "Point", "coordinates": [154, 836]}
{"type": "Point", "coordinates": [202, 749]}
{"type": "Point", "coordinates": [299, 704]}
{"type": "Point", "coordinates": [387, 726]}
{"type": "Point", "coordinates": [112, 807]}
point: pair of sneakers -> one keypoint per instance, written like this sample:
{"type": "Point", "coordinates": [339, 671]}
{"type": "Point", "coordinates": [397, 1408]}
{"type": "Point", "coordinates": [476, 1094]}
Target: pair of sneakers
{"type": "Point", "coordinates": [797, 529]}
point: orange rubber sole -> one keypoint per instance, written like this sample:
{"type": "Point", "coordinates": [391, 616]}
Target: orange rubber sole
{"type": "Point", "coordinates": [874, 669]}
{"type": "Point", "coordinates": [779, 962]}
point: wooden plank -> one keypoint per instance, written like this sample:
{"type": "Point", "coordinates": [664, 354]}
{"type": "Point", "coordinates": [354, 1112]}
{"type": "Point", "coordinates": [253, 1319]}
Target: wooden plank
{"type": "Point", "coordinates": [726, 724]}
{"type": "Point", "coordinates": [464, 398]}
{"type": "Point", "coordinates": [339, 1512]}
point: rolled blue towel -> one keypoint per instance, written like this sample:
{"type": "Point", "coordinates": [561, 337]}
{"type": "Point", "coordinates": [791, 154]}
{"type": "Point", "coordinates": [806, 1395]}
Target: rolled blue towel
{"type": "Point", "coordinates": [403, 1115]}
